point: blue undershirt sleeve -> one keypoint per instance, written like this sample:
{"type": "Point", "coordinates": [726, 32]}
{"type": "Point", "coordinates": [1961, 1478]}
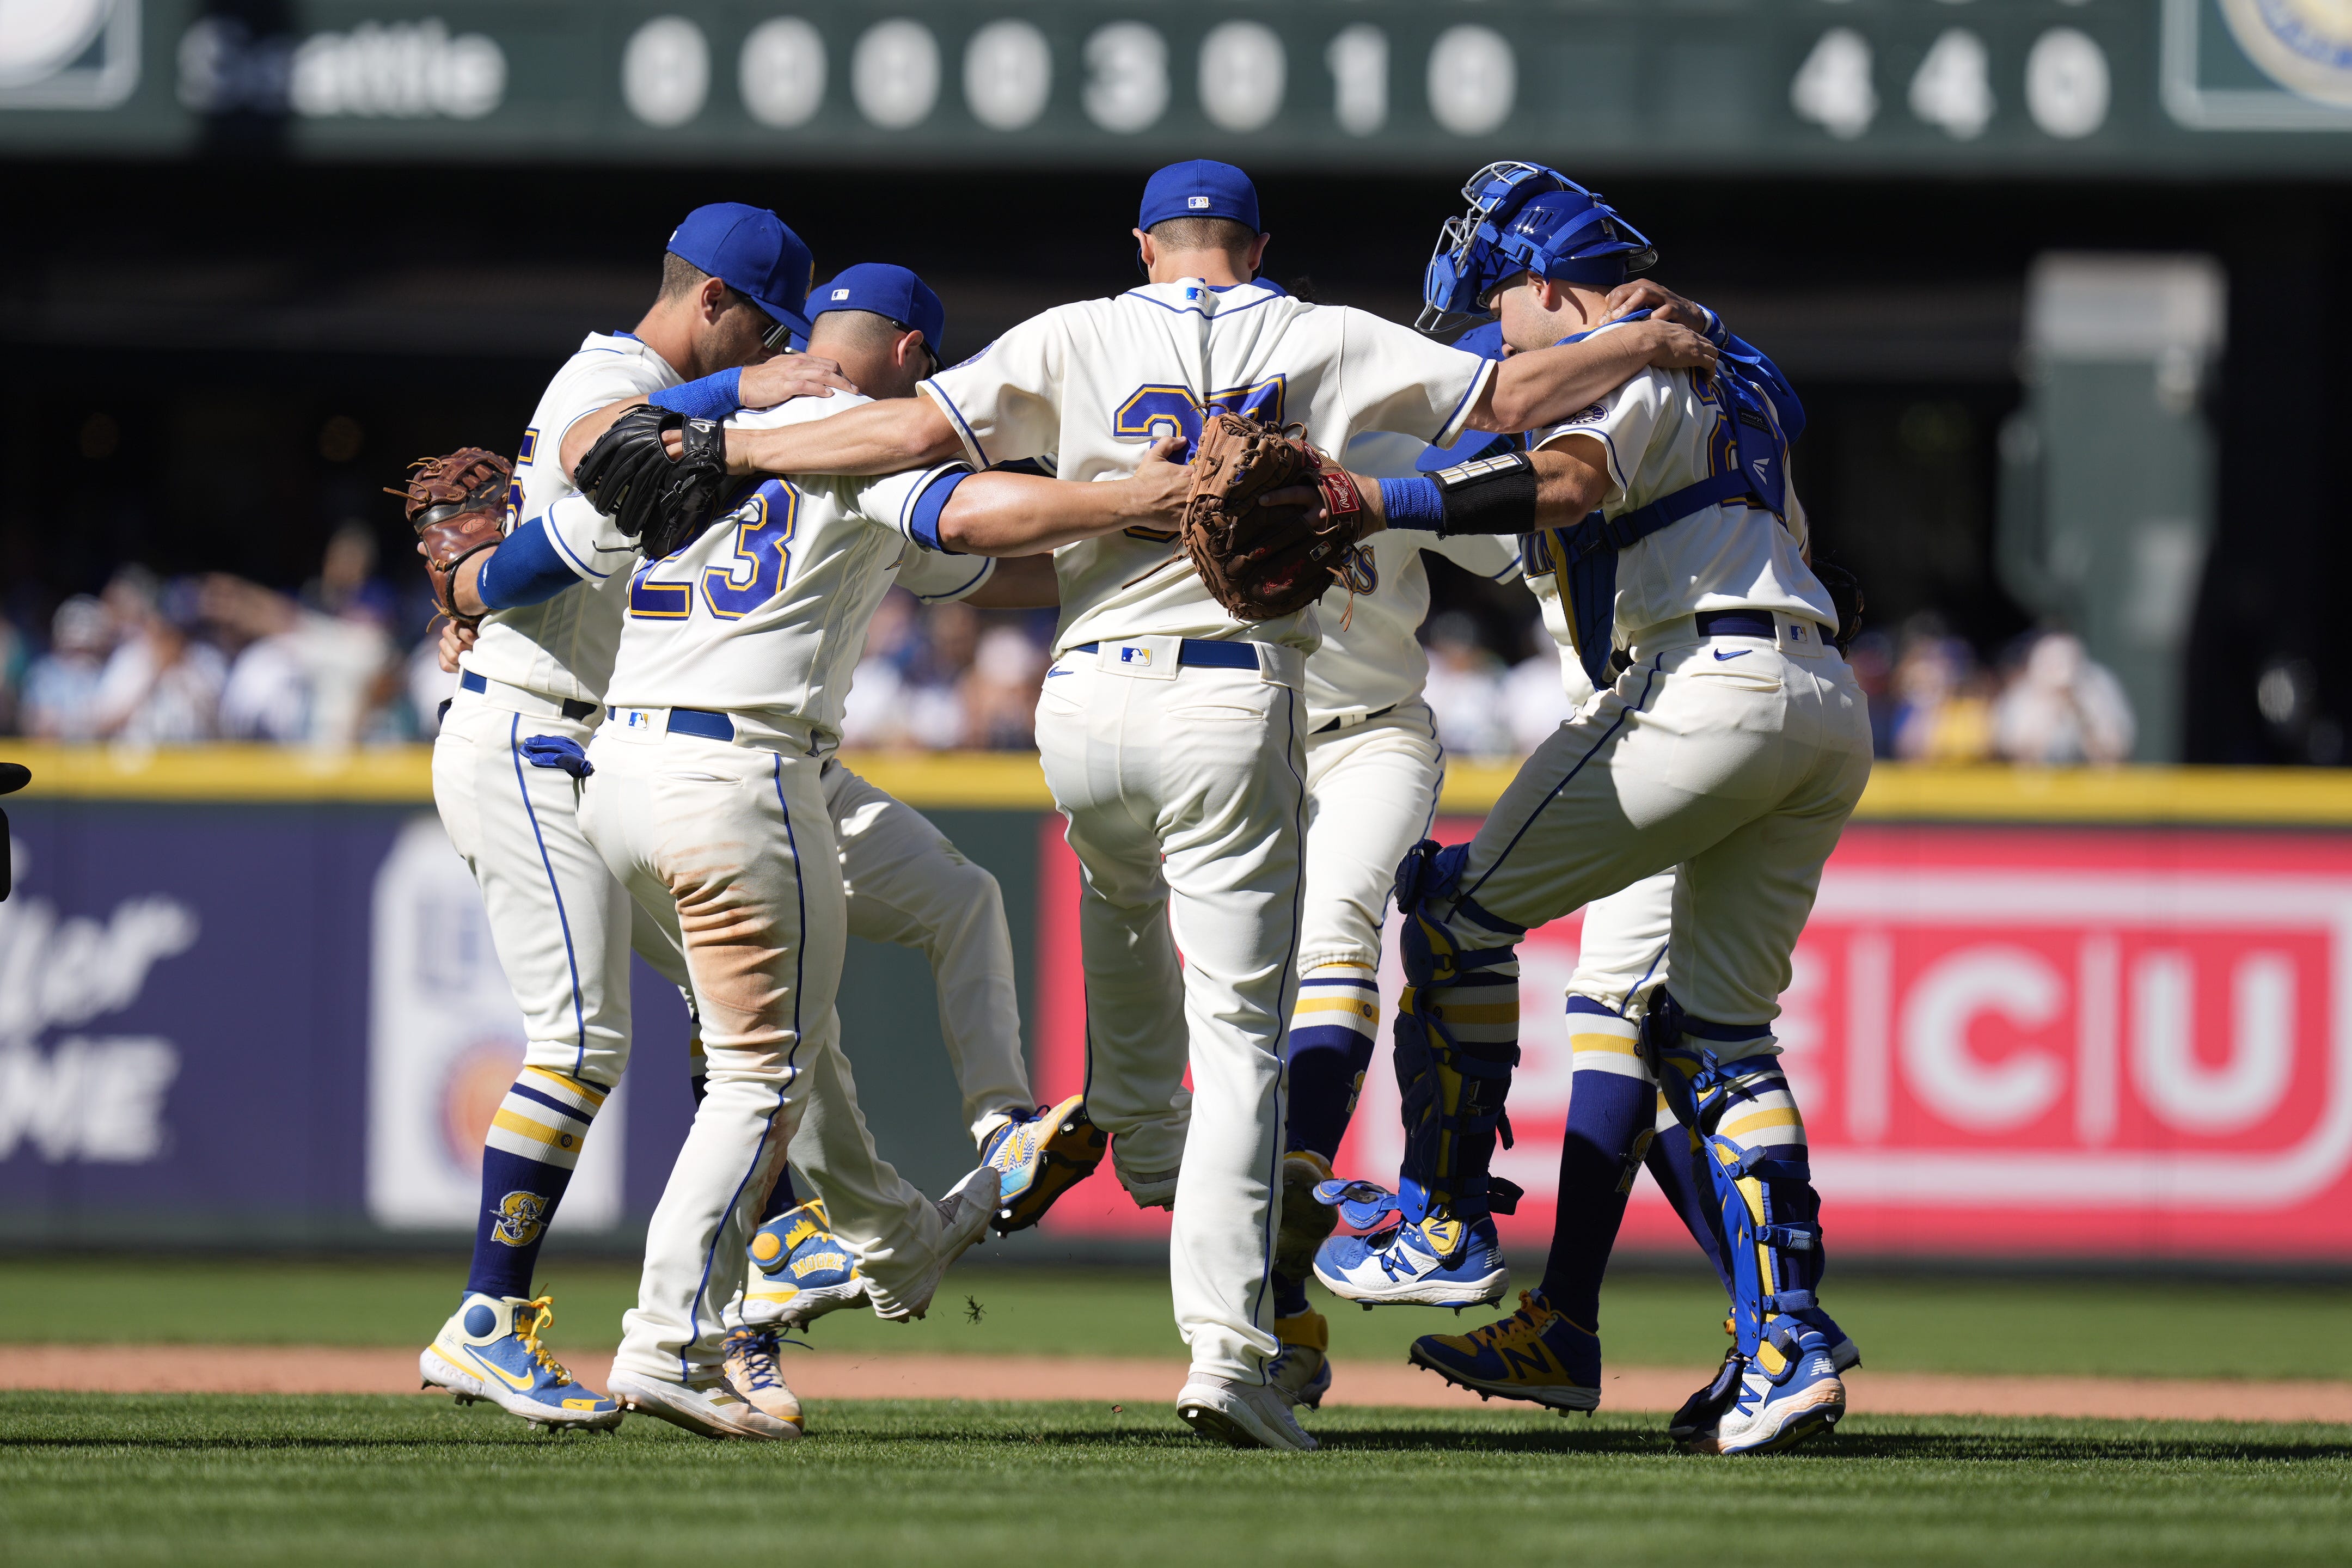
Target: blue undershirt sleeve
{"type": "Point", "coordinates": [923, 524]}
{"type": "Point", "coordinates": [1414, 503]}
{"type": "Point", "coordinates": [712, 397]}
{"type": "Point", "coordinates": [525, 570]}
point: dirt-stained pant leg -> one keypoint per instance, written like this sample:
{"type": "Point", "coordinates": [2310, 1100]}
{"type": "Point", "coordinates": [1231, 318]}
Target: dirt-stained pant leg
{"type": "Point", "coordinates": [738, 841]}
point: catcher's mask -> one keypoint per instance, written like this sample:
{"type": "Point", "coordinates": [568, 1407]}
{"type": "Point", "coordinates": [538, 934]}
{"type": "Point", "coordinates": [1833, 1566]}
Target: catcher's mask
{"type": "Point", "coordinates": [1524, 218]}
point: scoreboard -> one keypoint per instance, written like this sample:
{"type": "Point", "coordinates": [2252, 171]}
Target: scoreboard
{"type": "Point", "coordinates": [2019, 88]}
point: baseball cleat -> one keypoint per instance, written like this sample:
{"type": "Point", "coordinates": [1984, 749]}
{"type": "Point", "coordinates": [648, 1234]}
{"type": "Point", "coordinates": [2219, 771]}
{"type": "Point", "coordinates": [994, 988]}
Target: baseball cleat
{"type": "Point", "coordinates": [1239, 1414]}
{"type": "Point", "coordinates": [1702, 1410]}
{"type": "Point", "coordinates": [489, 1350]}
{"type": "Point", "coordinates": [718, 1410]}
{"type": "Point", "coordinates": [752, 1368]}
{"type": "Point", "coordinates": [964, 1214]}
{"type": "Point", "coordinates": [800, 1271]}
{"type": "Point", "coordinates": [1302, 1373]}
{"type": "Point", "coordinates": [1535, 1353]}
{"type": "Point", "coordinates": [1434, 1263]}
{"type": "Point", "coordinates": [1766, 1410]}
{"type": "Point", "coordinates": [1040, 1159]}
{"type": "Point", "coordinates": [1306, 1221]}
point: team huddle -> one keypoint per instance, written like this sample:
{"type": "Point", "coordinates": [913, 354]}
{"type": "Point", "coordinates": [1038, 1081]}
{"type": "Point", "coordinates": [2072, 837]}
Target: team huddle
{"type": "Point", "coordinates": [670, 594]}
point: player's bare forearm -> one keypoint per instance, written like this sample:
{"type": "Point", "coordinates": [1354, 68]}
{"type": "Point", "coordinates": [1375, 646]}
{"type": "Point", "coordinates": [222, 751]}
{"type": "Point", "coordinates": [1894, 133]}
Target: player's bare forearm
{"type": "Point", "coordinates": [877, 438]}
{"type": "Point", "coordinates": [1000, 513]}
{"type": "Point", "coordinates": [1548, 384]}
{"type": "Point", "coordinates": [1019, 582]}
{"type": "Point", "coordinates": [585, 429]}
{"type": "Point", "coordinates": [1571, 480]}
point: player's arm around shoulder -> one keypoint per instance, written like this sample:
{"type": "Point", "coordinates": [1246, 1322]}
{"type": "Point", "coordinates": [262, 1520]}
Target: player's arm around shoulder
{"type": "Point", "coordinates": [1528, 390]}
{"type": "Point", "coordinates": [1002, 513]}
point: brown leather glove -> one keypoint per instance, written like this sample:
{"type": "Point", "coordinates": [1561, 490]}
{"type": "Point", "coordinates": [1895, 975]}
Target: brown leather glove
{"type": "Point", "coordinates": [1264, 562]}
{"type": "Point", "coordinates": [458, 505]}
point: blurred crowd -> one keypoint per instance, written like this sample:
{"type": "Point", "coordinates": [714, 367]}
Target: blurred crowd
{"type": "Point", "coordinates": [349, 661]}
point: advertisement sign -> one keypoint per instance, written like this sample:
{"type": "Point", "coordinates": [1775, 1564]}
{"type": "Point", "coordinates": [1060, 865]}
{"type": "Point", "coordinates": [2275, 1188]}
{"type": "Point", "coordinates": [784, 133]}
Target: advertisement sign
{"type": "Point", "coordinates": [2097, 1042]}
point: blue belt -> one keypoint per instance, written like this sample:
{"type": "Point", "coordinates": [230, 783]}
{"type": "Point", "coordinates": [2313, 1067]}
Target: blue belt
{"type": "Point", "coordinates": [701, 722]}
{"type": "Point", "coordinates": [573, 708]}
{"type": "Point", "coordinates": [1200, 650]}
{"type": "Point", "coordinates": [1737, 624]}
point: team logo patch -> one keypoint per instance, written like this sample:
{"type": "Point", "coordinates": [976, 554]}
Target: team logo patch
{"type": "Point", "coordinates": [521, 1217]}
{"type": "Point", "coordinates": [1590, 415]}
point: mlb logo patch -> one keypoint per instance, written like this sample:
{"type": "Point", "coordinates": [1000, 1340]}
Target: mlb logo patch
{"type": "Point", "coordinates": [841, 293]}
{"type": "Point", "coordinates": [1139, 657]}
{"type": "Point", "coordinates": [636, 719]}
{"type": "Point", "coordinates": [1197, 204]}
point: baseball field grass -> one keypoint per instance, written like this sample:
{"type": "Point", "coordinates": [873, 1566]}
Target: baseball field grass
{"type": "Point", "coordinates": [358, 1480]}
{"type": "Point", "coordinates": [132, 1479]}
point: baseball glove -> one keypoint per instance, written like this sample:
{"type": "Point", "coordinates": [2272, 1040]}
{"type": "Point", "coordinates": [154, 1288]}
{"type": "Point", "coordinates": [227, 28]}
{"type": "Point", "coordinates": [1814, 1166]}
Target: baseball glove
{"type": "Point", "coordinates": [458, 505]}
{"type": "Point", "coordinates": [662, 502]}
{"type": "Point", "coordinates": [1264, 561]}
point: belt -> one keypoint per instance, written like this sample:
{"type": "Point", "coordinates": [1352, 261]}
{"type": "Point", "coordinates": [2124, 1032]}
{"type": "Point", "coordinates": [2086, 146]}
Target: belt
{"type": "Point", "coordinates": [1203, 651]}
{"type": "Point", "coordinates": [570, 707]}
{"type": "Point", "coordinates": [1737, 624]}
{"type": "Point", "coordinates": [1349, 721]}
{"type": "Point", "coordinates": [701, 722]}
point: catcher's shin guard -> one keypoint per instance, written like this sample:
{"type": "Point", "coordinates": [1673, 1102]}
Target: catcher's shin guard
{"type": "Point", "coordinates": [1771, 1215]}
{"type": "Point", "coordinates": [1457, 1040]}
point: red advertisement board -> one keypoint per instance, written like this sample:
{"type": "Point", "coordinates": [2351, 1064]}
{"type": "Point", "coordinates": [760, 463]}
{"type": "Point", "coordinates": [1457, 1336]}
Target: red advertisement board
{"type": "Point", "coordinates": [2007, 1042]}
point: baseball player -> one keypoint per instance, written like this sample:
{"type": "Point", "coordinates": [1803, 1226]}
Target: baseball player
{"type": "Point", "coordinates": [1172, 734]}
{"type": "Point", "coordinates": [732, 283]}
{"type": "Point", "coordinates": [1734, 745]}
{"type": "Point", "coordinates": [705, 796]}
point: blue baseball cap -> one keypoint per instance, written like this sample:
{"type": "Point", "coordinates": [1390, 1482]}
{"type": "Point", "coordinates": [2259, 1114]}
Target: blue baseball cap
{"type": "Point", "coordinates": [1202, 187]}
{"type": "Point", "coordinates": [750, 251]}
{"type": "Point", "coordinates": [886, 290]}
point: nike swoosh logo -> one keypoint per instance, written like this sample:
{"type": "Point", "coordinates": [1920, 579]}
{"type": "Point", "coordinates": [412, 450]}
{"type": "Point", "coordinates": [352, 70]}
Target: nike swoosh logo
{"type": "Point", "coordinates": [520, 1385]}
{"type": "Point", "coordinates": [1743, 653]}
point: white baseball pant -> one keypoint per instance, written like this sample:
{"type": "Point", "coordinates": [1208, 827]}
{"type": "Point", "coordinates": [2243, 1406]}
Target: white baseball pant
{"type": "Point", "coordinates": [1184, 787]}
{"type": "Point", "coordinates": [908, 885]}
{"type": "Point", "coordinates": [1738, 759]}
{"type": "Point", "coordinates": [556, 914]}
{"type": "Point", "coordinates": [737, 841]}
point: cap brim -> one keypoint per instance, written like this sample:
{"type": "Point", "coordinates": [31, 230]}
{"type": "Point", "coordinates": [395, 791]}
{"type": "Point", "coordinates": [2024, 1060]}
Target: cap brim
{"type": "Point", "coordinates": [792, 319]}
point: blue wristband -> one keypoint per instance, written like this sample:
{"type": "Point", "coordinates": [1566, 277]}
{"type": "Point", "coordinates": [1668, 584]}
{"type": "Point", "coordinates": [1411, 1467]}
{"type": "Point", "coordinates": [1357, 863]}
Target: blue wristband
{"type": "Point", "coordinates": [525, 570]}
{"type": "Point", "coordinates": [923, 524]}
{"type": "Point", "coordinates": [1414, 503]}
{"type": "Point", "coordinates": [712, 397]}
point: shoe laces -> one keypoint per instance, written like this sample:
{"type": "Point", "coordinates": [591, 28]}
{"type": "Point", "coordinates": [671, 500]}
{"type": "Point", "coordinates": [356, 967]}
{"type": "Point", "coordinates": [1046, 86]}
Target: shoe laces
{"type": "Point", "coordinates": [541, 1317]}
{"type": "Point", "coordinates": [757, 1351]}
{"type": "Point", "coordinates": [1527, 1322]}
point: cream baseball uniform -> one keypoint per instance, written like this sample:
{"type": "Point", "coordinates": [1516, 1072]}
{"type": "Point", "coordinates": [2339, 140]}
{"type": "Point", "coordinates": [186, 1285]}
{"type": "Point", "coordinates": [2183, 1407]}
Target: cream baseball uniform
{"type": "Point", "coordinates": [561, 926]}
{"type": "Point", "coordinates": [707, 798]}
{"type": "Point", "coordinates": [1736, 757]}
{"type": "Point", "coordinates": [1183, 780]}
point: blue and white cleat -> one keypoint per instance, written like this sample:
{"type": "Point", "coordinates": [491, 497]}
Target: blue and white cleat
{"type": "Point", "coordinates": [1302, 1373]}
{"type": "Point", "coordinates": [1039, 1159]}
{"type": "Point", "coordinates": [1701, 1410]}
{"type": "Point", "coordinates": [1434, 1263]}
{"type": "Point", "coordinates": [800, 1271]}
{"type": "Point", "coordinates": [1535, 1353]}
{"type": "Point", "coordinates": [489, 1350]}
{"type": "Point", "coordinates": [1766, 1410]}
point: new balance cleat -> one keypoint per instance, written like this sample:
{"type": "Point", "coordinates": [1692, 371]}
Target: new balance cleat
{"type": "Point", "coordinates": [752, 1367]}
{"type": "Point", "coordinates": [1240, 1415]}
{"type": "Point", "coordinates": [1302, 1373]}
{"type": "Point", "coordinates": [1535, 1353]}
{"type": "Point", "coordinates": [1040, 1159]}
{"type": "Point", "coordinates": [1764, 1410]}
{"type": "Point", "coordinates": [964, 1214]}
{"type": "Point", "coordinates": [1306, 1221]}
{"type": "Point", "coordinates": [717, 1410]}
{"type": "Point", "coordinates": [800, 1271]}
{"type": "Point", "coordinates": [489, 1349]}
{"type": "Point", "coordinates": [1436, 1263]}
